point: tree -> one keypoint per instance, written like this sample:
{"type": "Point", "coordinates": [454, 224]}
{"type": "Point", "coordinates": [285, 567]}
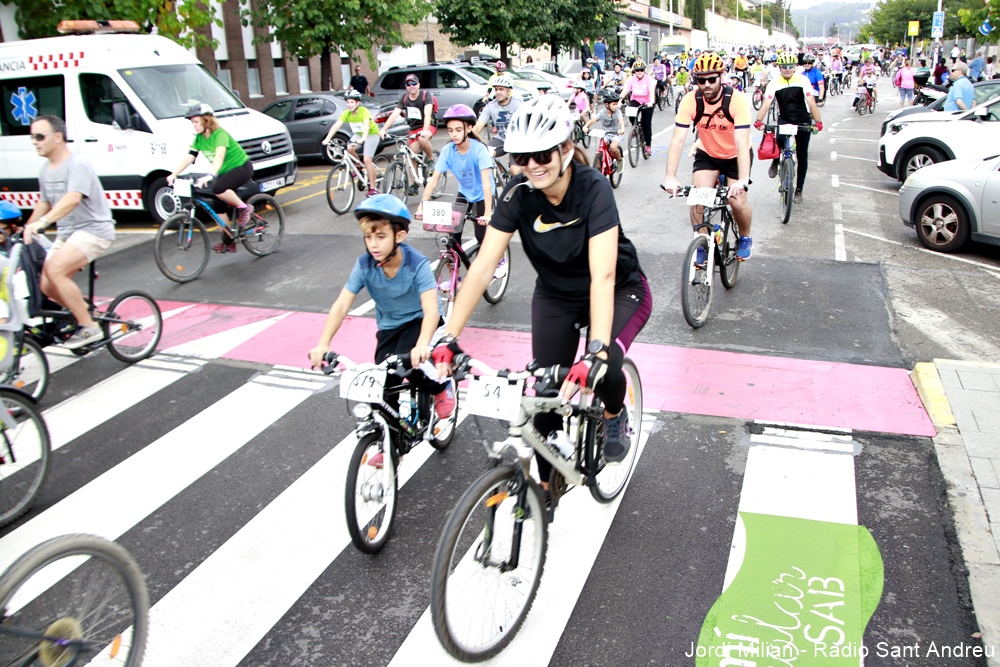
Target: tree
{"type": "Point", "coordinates": [323, 27]}
{"type": "Point", "coordinates": [833, 31]}
{"type": "Point", "coordinates": [695, 10]}
{"type": "Point", "coordinates": [569, 21]}
{"type": "Point", "coordinates": [973, 15]}
{"type": "Point", "coordinates": [890, 19]}
{"type": "Point", "coordinates": [179, 22]}
{"type": "Point", "coordinates": [501, 24]}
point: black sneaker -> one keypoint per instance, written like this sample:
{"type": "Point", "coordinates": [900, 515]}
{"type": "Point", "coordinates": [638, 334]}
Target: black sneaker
{"type": "Point", "coordinates": [619, 437]}
{"type": "Point", "coordinates": [412, 191]}
{"type": "Point", "coordinates": [797, 199]}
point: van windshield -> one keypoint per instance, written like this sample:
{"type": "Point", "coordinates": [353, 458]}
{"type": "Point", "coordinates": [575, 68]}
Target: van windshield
{"type": "Point", "coordinates": [169, 90]}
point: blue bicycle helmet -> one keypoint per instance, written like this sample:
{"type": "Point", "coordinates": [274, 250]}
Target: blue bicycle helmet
{"type": "Point", "coordinates": [9, 214]}
{"type": "Point", "coordinates": [385, 206]}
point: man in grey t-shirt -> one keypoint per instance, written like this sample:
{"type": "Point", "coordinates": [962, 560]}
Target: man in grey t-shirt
{"type": "Point", "coordinates": [497, 115]}
{"type": "Point", "coordinates": [73, 198]}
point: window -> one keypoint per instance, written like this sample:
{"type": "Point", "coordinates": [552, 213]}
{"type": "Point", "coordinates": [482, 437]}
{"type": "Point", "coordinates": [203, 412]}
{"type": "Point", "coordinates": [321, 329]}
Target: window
{"type": "Point", "coordinates": [30, 97]}
{"type": "Point", "coordinates": [225, 78]}
{"type": "Point", "coordinates": [279, 110]}
{"type": "Point", "coordinates": [280, 85]}
{"type": "Point", "coordinates": [393, 81]}
{"type": "Point", "coordinates": [253, 80]}
{"type": "Point", "coordinates": [310, 107]}
{"type": "Point", "coordinates": [449, 79]}
{"type": "Point", "coordinates": [304, 78]}
{"type": "Point", "coordinates": [99, 94]}
{"type": "Point", "coordinates": [169, 90]}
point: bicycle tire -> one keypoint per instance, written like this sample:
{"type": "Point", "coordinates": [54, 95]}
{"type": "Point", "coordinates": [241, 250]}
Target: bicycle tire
{"type": "Point", "coordinates": [24, 455]}
{"type": "Point", "coordinates": [498, 286]}
{"type": "Point", "coordinates": [611, 480]}
{"type": "Point", "coordinates": [445, 297]}
{"type": "Point", "coordinates": [670, 95]}
{"type": "Point", "coordinates": [729, 265]}
{"type": "Point", "coordinates": [29, 370]}
{"type": "Point", "coordinates": [501, 174]}
{"type": "Point", "coordinates": [758, 99]}
{"type": "Point", "coordinates": [340, 188]}
{"type": "Point", "coordinates": [381, 163]}
{"type": "Point", "coordinates": [396, 181]}
{"type": "Point", "coordinates": [370, 521]}
{"type": "Point", "coordinates": [442, 183]}
{"type": "Point", "coordinates": [442, 437]}
{"type": "Point", "coordinates": [138, 333]}
{"type": "Point", "coordinates": [677, 103]}
{"type": "Point", "coordinates": [455, 604]}
{"type": "Point", "coordinates": [786, 176]}
{"type": "Point", "coordinates": [181, 248]}
{"type": "Point", "coordinates": [634, 147]}
{"type": "Point", "coordinates": [696, 284]}
{"type": "Point", "coordinates": [586, 138]}
{"type": "Point", "coordinates": [871, 105]}
{"type": "Point", "coordinates": [661, 100]}
{"type": "Point", "coordinates": [109, 577]}
{"type": "Point", "coordinates": [268, 219]}
{"type": "Point", "coordinates": [862, 107]}
{"type": "Point", "coordinates": [616, 176]}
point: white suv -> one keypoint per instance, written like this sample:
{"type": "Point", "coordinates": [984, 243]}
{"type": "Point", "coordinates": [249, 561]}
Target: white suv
{"type": "Point", "coordinates": [922, 139]}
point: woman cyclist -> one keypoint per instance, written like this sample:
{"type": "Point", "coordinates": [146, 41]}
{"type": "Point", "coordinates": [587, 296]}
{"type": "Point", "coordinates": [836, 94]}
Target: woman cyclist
{"type": "Point", "coordinates": [588, 272]}
{"type": "Point", "coordinates": [230, 169]}
{"type": "Point", "coordinates": [642, 91]}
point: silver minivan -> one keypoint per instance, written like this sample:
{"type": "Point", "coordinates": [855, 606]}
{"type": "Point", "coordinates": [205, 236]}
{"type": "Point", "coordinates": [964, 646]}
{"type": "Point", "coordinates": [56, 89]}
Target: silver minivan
{"type": "Point", "coordinates": [450, 84]}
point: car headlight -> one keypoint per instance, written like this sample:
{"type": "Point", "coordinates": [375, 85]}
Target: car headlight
{"type": "Point", "coordinates": [896, 127]}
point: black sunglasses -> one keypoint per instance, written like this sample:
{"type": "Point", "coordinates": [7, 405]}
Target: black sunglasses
{"type": "Point", "coordinates": [541, 157]}
{"type": "Point", "coordinates": [41, 137]}
{"type": "Point", "coordinates": [706, 79]}
{"type": "Point", "coordinates": [412, 83]}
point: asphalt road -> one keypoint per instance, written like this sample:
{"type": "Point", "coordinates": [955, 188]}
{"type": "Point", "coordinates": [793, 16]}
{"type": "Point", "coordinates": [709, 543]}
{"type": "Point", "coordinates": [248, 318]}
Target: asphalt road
{"type": "Point", "coordinates": [643, 595]}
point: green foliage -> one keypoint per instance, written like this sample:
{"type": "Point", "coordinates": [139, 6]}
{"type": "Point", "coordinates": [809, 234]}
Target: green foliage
{"type": "Point", "coordinates": [695, 10]}
{"type": "Point", "coordinates": [832, 31]}
{"type": "Point", "coordinates": [891, 19]}
{"type": "Point", "coordinates": [779, 13]}
{"type": "Point", "coordinates": [972, 16]}
{"type": "Point", "coordinates": [39, 18]}
{"type": "Point", "coordinates": [314, 27]}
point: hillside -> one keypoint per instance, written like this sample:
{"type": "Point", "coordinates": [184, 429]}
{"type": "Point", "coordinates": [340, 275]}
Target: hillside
{"type": "Point", "coordinates": [847, 15]}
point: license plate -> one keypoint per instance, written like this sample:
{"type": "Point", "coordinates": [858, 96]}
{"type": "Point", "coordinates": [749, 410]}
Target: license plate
{"type": "Point", "coordinates": [701, 197]}
{"type": "Point", "coordinates": [268, 186]}
{"type": "Point", "coordinates": [364, 386]}
{"type": "Point", "coordinates": [493, 397]}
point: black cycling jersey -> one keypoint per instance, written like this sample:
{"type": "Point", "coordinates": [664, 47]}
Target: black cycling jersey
{"type": "Point", "coordinates": [556, 238]}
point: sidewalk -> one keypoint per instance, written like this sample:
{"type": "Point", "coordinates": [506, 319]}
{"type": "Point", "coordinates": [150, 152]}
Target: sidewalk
{"type": "Point", "coordinates": [963, 400]}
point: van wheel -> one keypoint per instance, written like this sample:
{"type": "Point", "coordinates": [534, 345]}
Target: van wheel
{"type": "Point", "coordinates": [160, 200]}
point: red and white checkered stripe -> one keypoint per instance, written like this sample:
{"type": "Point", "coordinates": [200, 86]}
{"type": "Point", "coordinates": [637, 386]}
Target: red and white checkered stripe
{"type": "Point", "coordinates": [55, 60]}
{"type": "Point", "coordinates": [116, 198]}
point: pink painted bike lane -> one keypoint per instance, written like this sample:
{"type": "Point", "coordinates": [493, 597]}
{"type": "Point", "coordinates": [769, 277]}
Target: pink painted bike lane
{"type": "Point", "coordinates": [674, 379]}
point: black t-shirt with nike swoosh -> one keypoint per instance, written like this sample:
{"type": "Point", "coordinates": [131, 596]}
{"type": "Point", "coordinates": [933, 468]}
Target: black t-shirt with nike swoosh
{"type": "Point", "coordinates": [556, 238]}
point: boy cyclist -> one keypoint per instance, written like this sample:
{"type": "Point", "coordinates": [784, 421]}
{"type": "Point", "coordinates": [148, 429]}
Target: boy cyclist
{"type": "Point", "coordinates": [364, 130]}
{"type": "Point", "coordinates": [400, 282]}
{"type": "Point", "coordinates": [613, 122]}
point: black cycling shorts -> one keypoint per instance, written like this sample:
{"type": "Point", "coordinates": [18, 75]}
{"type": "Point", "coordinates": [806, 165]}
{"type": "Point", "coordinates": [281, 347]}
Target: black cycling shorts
{"type": "Point", "coordinates": [233, 179]}
{"type": "Point", "coordinates": [730, 167]}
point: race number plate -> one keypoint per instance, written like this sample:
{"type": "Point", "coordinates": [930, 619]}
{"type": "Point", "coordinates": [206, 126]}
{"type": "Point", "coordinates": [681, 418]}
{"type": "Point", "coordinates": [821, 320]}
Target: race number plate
{"type": "Point", "coordinates": [437, 213]}
{"type": "Point", "coordinates": [631, 112]}
{"type": "Point", "coordinates": [365, 386]}
{"type": "Point", "coordinates": [574, 117]}
{"type": "Point", "coordinates": [597, 133]}
{"type": "Point", "coordinates": [493, 397]}
{"type": "Point", "coordinates": [182, 187]}
{"type": "Point", "coordinates": [788, 129]}
{"type": "Point", "coordinates": [701, 197]}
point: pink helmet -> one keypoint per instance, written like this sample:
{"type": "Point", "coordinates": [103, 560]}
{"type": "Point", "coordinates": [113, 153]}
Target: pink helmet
{"type": "Point", "coordinates": [460, 112]}
{"type": "Point", "coordinates": [501, 65]}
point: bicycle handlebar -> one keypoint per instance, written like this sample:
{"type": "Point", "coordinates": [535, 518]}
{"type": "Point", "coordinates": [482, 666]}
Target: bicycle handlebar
{"type": "Point", "coordinates": [332, 360]}
{"type": "Point", "coordinates": [465, 364]}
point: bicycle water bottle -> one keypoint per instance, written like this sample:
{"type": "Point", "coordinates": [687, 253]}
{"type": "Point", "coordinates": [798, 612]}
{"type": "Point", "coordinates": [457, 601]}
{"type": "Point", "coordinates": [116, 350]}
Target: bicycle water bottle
{"type": "Point", "coordinates": [561, 441]}
{"type": "Point", "coordinates": [717, 232]}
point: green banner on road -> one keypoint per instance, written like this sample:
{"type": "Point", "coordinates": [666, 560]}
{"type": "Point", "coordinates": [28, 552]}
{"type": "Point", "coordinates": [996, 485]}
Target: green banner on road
{"type": "Point", "coordinates": [803, 595]}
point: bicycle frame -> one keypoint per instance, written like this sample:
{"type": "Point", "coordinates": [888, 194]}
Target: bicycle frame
{"type": "Point", "coordinates": [410, 159]}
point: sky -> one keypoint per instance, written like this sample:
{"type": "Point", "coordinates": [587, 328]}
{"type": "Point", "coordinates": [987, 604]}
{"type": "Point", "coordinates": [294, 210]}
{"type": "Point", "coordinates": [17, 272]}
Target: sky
{"type": "Point", "coordinates": [803, 4]}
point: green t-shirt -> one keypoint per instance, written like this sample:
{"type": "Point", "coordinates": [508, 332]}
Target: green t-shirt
{"type": "Point", "coordinates": [358, 120]}
{"type": "Point", "coordinates": [235, 155]}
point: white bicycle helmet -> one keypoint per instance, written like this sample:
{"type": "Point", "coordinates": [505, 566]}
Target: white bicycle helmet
{"type": "Point", "coordinates": [503, 80]}
{"type": "Point", "coordinates": [543, 123]}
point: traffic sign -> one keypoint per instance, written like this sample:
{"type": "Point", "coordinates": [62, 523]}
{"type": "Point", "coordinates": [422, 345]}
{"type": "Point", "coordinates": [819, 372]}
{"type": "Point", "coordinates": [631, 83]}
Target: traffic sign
{"type": "Point", "coordinates": [937, 27]}
{"type": "Point", "coordinates": [914, 29]}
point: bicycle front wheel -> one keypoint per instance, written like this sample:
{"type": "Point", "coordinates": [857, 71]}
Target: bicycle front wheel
{"type": "Point", "coordinates": [395, 182]}
{"type": "Point", "coordinates": [30, 373]}
{"type": "Point", "coordinates": [478, 598]}
{"type": "Point", "coordinates": [340, 188]}
{"type": "Point", "coordinates": [181, 248]}
{"type": "Point", "coordinates": [24, 454]}
{"type": "Point", "coordinates": [758, 99]}
{"type": "Point", "coordinates": [610, 481]}
{"type": "Point", "coordinates": [501, 278]}
{"type": "Point", "coordinates": [586, 137]}
{"type": "Point", "coordinates": [786, 179]}
{"type": "Point", "coordinates": [263, 234]}
{"type": "Point", "coordinates": [446, 278]}
{"type": "Point", "coordinates": [382, 163]}
{"type": "Point", "coordinates": [634, 146]}
{"type": "Point", "coordinates": [370, 499]}
{"type": "Point", "coordinates": [133, 324]}
{"type": "Point", "coordinates": [696, 283]}
{"type": "Point", "coordinates": [85, 593]}
{"type": "Point", "coordinates": [729, 265]}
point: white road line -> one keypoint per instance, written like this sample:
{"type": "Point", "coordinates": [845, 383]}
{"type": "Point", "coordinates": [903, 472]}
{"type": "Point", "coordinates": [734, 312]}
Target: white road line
{"type": "Point", "coordinates": [365, 307]}
{"type": "Point", "coordinates": [575, 540]}
{"type": "Point", "coordinates": [988, 267]}
{"type": "Point", "coordinates": [864, 187]}
{"type": "Point", "coordinates": [141, 484]}
{"type": "Point", "coordinates": [838, 211]}
{"type": "Point", "coordinates": [833, 155]}
{"type": "Point", "coordinates": [832, 141]}
{"type": "Point", "coordinates": [663, 131]}
{"type": "Point", "coordinates": [852, 157]}
{"type": "Point", "coordinates": [839, 250]}
{"type": "Point", "coordinates": [835, 181]}
{"type": "Point", "coordinates": [868, 141]}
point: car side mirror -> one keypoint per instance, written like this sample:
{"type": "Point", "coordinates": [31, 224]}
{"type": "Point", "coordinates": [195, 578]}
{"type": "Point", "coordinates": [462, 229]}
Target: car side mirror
{"type": "Point", "coordinates": [462, 83]}
{"type": "Point", "coordinates": [123, 119]}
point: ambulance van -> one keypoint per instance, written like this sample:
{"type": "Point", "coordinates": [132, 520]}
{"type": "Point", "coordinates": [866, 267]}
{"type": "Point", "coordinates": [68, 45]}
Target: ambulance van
{"type": "Point", "coordinates": [123, 97]}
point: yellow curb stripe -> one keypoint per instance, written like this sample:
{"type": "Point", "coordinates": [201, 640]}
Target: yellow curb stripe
{"type": "Point", "coordinates": [928, 384]}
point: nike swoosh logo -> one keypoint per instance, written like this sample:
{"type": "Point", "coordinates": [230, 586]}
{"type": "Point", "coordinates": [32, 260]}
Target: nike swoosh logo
{"type": "Point", "coordinates": [542, 227]}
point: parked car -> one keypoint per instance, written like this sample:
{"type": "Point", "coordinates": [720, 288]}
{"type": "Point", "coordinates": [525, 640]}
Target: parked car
{"type": "Point", "coordinates": [524, 87]}
{"type": "Point", "coordinates": [924, 139]}
{"type": "Point", "coordinates": [949, 204]}
{"type": "Point", "coordinates": [559, 83]}
{"type": "Point", "coordinates": [450, 83]}
{"type": "Point", "coordinates": [310, 116]}
{"type": "Point", "coordinates": [985, 91]}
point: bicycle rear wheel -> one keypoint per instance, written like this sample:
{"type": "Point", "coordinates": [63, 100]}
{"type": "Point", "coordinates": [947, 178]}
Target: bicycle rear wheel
{"type": "Point", "coordinates": [634, 147]}
{"type": "Point", "coordinates": [371, 493]}
{"type": "Point", "coordinates": [181, 248]}
{"type": "Point", "coordinates": [786, 180]}
{"type": "Point", "coordinates": [758, 99]}
{"type": "Point", "coordinates": [501, 278]}
{"type": "Point", "coordinates": [340, 188]}
{"type": "Point", "coordinates": [396, 182]}
{"type": "Point", "coordinates": [661, 100]}
{"type": "Point", "coordinates": [478, 601]}
{"type": "Point", "coordinates": [610, 482]}
{"type": "Point", "coordinates": [696, 283]}
{"type": "Point", "coordinates": [29, 370]}
{"type": "Point", "coordinates": [133, 324]}
{"type": "Point", "coordinates": [729, 265]}
{"type": "Point", "coordinates": [263, 234]}
{"type": "Point", "coordinates": [82, 590]}
{"type": "Point", "coordinates": [446, 286]}
{"type": "Point", "coordinates": [24, 454]}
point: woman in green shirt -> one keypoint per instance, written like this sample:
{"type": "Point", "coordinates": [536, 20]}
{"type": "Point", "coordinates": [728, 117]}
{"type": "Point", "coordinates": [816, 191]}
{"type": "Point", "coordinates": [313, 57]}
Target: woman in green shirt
{"type": "Point", "coordinates": [364, 131]}
{"type": "Point", "coordinates": [230, 169]}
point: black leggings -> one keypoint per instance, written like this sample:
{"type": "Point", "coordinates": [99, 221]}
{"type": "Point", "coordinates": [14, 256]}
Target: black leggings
{"type": "Point", "coordinates": [233, 179]}
{"type": "Point", "coordinates": [400, 341]}
{"type": "Point", "coordinates": [477, 209]}
{"type": "Point", "coordinates": [802, 153]}
{"type": "Point", "coordinates": [555, 339]}
{"type": "Point", "coordinates": [646, 119]}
